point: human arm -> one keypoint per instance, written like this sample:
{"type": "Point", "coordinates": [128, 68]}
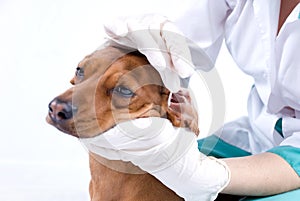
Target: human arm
{"type": "Point", "coordinates": [260, 175]}
{"type": "Point", "coordinates": [273, 172]}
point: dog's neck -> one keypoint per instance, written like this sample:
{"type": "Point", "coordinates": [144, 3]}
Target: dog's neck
{"type": "Point", "coordinates": [118, 165]}
{"type": "Point", "coordinates": [109, 184]}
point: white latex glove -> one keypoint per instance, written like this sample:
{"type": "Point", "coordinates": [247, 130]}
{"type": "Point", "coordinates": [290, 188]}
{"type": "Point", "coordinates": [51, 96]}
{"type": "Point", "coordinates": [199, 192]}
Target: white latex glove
{"type": "Point", "coordinates": [168, 153]}
{"type": "Point", "coordinates": [165, 47]}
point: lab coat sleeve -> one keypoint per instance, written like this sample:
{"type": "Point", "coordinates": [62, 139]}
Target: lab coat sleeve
{"type": "Point", "coordinates": [203, 22]}
{"type": "Point", "coordinates": [291, 132]}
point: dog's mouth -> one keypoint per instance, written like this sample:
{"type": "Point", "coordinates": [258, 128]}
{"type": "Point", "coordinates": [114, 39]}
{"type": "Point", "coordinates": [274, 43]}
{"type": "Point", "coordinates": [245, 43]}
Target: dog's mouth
{"type": "Point", "coordinates": [76, 127]}
{"type": "Point", "coordinates": [62, 125]}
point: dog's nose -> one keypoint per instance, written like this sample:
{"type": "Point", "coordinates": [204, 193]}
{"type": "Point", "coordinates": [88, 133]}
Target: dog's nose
{"type": "Point", "coordinates": [61, 110]}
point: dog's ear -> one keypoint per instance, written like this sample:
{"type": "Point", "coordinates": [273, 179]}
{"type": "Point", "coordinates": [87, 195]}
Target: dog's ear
{"type": "Point", "coordinates": [181, 111]}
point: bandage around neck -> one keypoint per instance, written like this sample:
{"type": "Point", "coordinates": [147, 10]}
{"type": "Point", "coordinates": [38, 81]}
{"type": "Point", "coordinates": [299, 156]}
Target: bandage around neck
{"type": "Point", "coordinates": [168, 153]}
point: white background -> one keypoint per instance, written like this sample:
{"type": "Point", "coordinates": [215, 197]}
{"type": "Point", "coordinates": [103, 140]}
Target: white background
{"type": "Point", "coordinates": [41, 42]}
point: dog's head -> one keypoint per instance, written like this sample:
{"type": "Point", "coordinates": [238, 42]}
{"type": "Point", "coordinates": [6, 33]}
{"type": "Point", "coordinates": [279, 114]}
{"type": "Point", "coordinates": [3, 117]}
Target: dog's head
{"type": "Point", "coordinates": [109, 86]}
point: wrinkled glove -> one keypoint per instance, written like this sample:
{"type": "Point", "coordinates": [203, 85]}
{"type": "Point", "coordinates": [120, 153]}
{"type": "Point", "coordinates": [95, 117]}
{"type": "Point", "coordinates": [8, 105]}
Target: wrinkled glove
{"type": "Point", "coordinates": [174, 56]}
{"type": "Point", "coordinates": [170, 154]}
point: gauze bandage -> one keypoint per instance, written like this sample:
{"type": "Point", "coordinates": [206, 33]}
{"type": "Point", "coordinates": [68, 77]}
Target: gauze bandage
{"type": "Point", "coordinates": [168, 153]}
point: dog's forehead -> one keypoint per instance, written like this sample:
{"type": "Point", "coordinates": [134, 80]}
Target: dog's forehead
{"type": "Point", "coordinates": [102, 57]}
{"type": "Point", "coordinates": [110, 60]}
{"type": "Point", "coordinates": [135, 71]}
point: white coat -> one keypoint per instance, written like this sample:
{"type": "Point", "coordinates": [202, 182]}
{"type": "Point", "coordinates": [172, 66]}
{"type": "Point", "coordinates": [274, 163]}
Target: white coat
{"type": "Point", "coordinates": [249, 28]}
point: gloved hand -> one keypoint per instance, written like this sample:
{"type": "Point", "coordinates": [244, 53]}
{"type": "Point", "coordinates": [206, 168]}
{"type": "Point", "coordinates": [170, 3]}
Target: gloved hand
{"type": "Point", "coordinates": [167, 50]}
{"type": "Point", "coordinates": [170, 154]}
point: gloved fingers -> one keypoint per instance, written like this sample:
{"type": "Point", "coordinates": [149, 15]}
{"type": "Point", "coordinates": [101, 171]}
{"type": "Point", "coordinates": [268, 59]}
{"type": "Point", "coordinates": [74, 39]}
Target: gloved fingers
{"type": "Point", "coordinates": [160, 41]}
{"type": "Point", "coordinates": [168, 48]}
{"type": "Point", "coordinates": [115, 28]}
{"type": "Point", "coordinates": [185, 54]}
{"type": "Point", "coordinates": [156, 37]}
{"type": "Point", "coordinates": [178, 49]}
{"type": "Point", "coordinates": [182, 111]}
{"type": "Point", "coordinates": [143, 34]}
{"type": "Point", "coordinates": [156, 56]}
{"type": "Point", "coordinates": [181, 105]}
{"type": "Point", "coordinates": [154, 48]}
{"type": "Point", "coordinates": [182, 96]}
{"type": "Point", "coordinates": [184, 115]}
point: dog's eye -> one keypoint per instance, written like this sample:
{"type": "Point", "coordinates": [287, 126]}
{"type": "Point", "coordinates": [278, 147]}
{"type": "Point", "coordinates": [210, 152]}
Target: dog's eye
{"type": "Point", "coordinates": [123, 91]}
{"type": "Point", "coordinates": [79, 72]}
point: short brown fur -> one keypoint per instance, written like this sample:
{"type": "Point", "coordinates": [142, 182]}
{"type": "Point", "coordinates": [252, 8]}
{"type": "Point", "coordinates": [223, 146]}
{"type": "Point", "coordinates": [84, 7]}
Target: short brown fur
{"type": "Point", "coordinates": [99, 109]}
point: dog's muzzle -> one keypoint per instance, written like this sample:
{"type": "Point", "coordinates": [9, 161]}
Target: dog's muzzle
{"type": "Point", "coordinates": [61, 110]}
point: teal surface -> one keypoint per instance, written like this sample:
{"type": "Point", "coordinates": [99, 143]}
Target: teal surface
{"type": "Point", "coordinates": [289, 154]}
{"type": "Point", "coordinates": [278, 127]}
{"type": "Point", "coordinates": [214, 146]}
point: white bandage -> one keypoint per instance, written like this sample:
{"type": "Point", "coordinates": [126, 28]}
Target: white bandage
{"type": "Point", "coordinates": [168, 153]}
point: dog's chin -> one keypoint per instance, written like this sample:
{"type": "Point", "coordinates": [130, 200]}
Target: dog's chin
{"type": "Point", "coordinates": [62, 126]}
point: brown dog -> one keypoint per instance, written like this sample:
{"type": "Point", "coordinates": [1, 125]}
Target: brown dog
{"type": "Point", "coordinates": [111, 86]}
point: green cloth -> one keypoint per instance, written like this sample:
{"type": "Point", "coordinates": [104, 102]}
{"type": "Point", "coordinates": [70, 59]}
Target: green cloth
{"type": "Point", "coordinates": [289, 154]}
{"type": "Point", "coordinates": [214, 146]}
{"type": "Point", "coordinates": [278, 127]}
